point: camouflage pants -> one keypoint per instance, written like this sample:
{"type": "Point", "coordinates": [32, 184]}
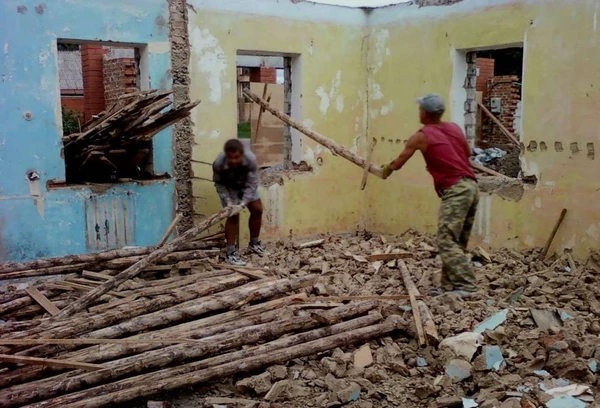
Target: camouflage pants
{"type": "Point", "coordinates": [455, 221]}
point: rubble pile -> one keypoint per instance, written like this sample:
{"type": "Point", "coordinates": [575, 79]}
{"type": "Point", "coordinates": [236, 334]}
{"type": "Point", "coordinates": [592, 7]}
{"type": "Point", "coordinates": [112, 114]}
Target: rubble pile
{"type": "Point", "coordinates": [322, 323]}
{"type": "Point", "coordinates": [528, 339]}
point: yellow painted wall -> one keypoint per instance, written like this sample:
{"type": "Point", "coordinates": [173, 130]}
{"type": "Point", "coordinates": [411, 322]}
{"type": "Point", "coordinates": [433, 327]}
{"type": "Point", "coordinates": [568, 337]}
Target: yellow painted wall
{"type": "Point", "coordinates": [561, 101]}
{"type": "Point", "coordinates": [329, 198]}
{"type": "Point", "coordinates": [411, 51]}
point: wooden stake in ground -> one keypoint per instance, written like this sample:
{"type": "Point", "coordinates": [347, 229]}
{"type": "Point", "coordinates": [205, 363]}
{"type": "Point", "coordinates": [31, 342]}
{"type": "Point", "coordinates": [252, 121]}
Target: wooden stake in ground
{"type": "Point", "coordinates": [500, 125]}
{"type": "Point", "coordinates": [552, 235]}
{"type": "Point", "coordinates": [363, 183]}
{"type": "Point", "coordinates": [254, 138]}
{"type": "Point", "coordinates": [413, 293]}
{"type": "Point", "coordinates": [151, 259]}
{"type": "Point", "coordinates": [328, 143]}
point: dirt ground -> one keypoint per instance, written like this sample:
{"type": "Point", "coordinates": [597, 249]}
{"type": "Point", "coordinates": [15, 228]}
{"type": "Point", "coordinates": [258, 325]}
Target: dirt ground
{"type": "Point", "coordinates": [536, 366]}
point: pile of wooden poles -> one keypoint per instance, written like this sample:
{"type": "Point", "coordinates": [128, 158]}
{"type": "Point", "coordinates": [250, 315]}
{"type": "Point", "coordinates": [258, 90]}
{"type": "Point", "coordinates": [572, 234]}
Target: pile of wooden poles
{"type": "Point", "coordinates": [96, 338]}
{"type": "Point", "coordinates": [117, 142]}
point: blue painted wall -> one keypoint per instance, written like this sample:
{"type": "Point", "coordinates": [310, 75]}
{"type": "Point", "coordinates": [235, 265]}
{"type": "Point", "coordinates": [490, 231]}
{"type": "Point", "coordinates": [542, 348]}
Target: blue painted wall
{"type": "Point", "coordinates": [29, 83]}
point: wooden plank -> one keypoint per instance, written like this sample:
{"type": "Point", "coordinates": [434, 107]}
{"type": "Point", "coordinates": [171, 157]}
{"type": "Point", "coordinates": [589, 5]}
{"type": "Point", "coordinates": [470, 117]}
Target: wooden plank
{"type": "Point", "coordinates": [500, 125]}
{"type": "Point", "coordinates": [170, 229]}
{"type": "Point", "coordinates": [388, 257]}
{"type": "Point", "coordinates": [246, 271]}
{"type": "Point", "coordinates": [412, 293]}
{"type": "Point", "coordinates": [552, 235]}
{"type": "Point", "coordinates": [42, 300]}
{"type": "Point", "coordinates": [311, 244]}
{"type": "Point", "coordinates": [49, 362]}
{"type": "Point", "coordinates": [363, 183]}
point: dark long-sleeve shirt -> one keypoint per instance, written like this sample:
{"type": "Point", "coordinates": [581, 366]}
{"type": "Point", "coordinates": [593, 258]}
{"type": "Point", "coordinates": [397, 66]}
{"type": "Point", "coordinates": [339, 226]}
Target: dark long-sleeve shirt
{"type": "Point", "coordinates": [243, 178]}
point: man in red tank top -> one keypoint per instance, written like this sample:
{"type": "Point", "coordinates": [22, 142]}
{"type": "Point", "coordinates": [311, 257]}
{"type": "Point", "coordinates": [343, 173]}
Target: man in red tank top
{"type": "Point", "coordinates": [446, 153]}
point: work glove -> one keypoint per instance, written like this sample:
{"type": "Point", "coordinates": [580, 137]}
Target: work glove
{"type": "Point", "coordinates": [386, 171]}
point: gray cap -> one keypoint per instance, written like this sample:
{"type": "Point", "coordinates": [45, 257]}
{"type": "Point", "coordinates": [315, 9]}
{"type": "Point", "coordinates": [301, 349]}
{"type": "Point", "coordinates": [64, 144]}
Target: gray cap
{"type": "Point", "coordinates": [432, 103]}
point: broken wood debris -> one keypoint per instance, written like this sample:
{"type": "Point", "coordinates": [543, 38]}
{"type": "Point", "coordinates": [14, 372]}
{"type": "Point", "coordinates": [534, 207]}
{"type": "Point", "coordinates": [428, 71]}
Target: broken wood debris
{"type": "Point", "coordinates": [117, 142]}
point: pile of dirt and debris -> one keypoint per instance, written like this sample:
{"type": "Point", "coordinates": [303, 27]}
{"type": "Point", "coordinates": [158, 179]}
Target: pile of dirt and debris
{"type": "Point", "coordinates": [529, 338]}
{"type": "Point", "coordinates": [260, 337]}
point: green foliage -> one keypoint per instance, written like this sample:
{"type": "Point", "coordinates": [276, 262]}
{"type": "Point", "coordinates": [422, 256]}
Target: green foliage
{"type": "Point", "coordinates": [244, 130]}
{"type": "Point", "coordinates": [70, 121]}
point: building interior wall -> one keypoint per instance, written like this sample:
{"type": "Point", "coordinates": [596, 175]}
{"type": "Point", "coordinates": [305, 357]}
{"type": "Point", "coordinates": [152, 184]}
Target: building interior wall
{"type": "Point", "coordinates": [35, 220]}
{"type": "Point", "coordinates": [355, 76]}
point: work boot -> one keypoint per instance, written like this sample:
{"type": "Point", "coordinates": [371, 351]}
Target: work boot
{"type": "Point", "coordinates": [258, 249]}
{"type": "Point", "coordinates": [234, 259]}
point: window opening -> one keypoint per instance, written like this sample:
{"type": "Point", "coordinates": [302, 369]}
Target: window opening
{"type": "Point", "coordinates": [97, 80]}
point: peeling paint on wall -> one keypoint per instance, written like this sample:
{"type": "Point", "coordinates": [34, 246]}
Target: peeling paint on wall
{"type": "Point", "coordinates": [328, 97]}
{"type": "Point", "coordinates": [210, 61]}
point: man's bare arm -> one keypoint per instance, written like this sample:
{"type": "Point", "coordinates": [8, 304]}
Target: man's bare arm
{"type": "Point", "coordinates": [415, 142]}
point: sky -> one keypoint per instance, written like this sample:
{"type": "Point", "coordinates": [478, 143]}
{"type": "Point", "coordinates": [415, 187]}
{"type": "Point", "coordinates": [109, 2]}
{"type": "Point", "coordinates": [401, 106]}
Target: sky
{"type": "Point", "coordinates": [360, 3]}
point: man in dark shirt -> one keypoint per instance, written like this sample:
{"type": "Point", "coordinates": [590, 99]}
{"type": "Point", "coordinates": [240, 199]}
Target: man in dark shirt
{"type": "Point", "coordinates": [235, 174]}
{"type": "Point", "coordinates": [446, 153]}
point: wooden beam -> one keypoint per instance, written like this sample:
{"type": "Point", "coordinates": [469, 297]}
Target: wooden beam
{"type": "Point", "coordinates": [487, 170]}
{"type": "Point", "coordinates": [78, 342]}
{"type": "Point", "coordinates": [354, 298]}
{"type": "Point", "coordinates": [131, 272]}
{"type": "Point", "coordinates": [388, 257]}
{"type": "Point", "coordinates": [363, 183]}
{"type": "Point", "coordinates": [49, 362]}
{"type": "Point", "coordinates": [412, 293]}
{"type": "Point", "coordinates": [260, 113]}
{"type": "Point", "coordinates": [500, 125]}
{"type": "Point", "coordinates": [334, 147]}
{"type": "Point", "coordinates": [42, 300]}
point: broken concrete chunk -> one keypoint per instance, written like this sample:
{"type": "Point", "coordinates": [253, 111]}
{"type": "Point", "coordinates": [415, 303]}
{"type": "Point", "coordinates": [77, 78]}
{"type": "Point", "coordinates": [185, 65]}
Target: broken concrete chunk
{"type": "Point", "coordinates": [564, 316]}
{"type": "Point", "coordinates": [157, 404]}
{"type": "Point", "coordinates": [541, 373]}
{"type": "Point", "coordinates": [458, 370]}
{"type": "Point", "coordinates": [363, 357]}
{"type": "Point", "coordinates": [469, 403]}
{"type": "Point", "coordinates": [464, 345]}
{"type": "Point", "coordinates": [260, 384]}
{"type": "Point", "coordinates": [545, 319]}
{"type": "Point", "coordinates": [572, 390]}
{"type": "Point", "coordinates": [449, 402]}
{"type": "Point", "coordinates": [278, 372]}
{"type": "Point", "coordinates": [349, 394]}
{"type": "Point", "coordinates": [286, 390]}
{"type": "Point", "coordinates": [492, 322]}
{"type": "Point", "coordinates": [593, 365]}
{"type": "Point", "coordinates": [421, 362]}
{"type": "Point", "coordinates": [493, 358]}
{"type": "Point", "coordinates": [565, 401]}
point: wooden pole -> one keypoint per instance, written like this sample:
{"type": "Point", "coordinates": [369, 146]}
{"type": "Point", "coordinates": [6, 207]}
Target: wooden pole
{"type": "Point", "coordinates": [151, 259]}
{"type": "Point", "coordinates": [413, 293]}
{"type": "Point", "coordinates": [488, 170]}
{"type": "Point", "coordinates": [328, 143]}
{"type": "Point", "coordinates": [47, 362]}
{"type": "Point", "coordinates": [500, 125]}
{"type": "Point", "coordinates": [552, 235]}
{"type": "Point", "coordinates": [363, 183]}
{"type": "Point", "coordinates": [156, 359]}
{"type": "Point", "coordinates": [95, 397]}
{"type": "Point", "coordinates": [87, 259]}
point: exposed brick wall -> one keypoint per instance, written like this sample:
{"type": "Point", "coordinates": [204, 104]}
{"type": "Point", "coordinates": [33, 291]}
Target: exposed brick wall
{"type": "Point", "coordinates": [510, 94]}
{"type": "Point", "coordinates": [92, 58]}
{"type": "Point", "coordinates": [120, 77]}
{"type": "Point", "coordinates": [486, 71]}
{"type": "Point", "coordinates": [72, 103]}
{"type": "Point", "coordinates": [263, 75]}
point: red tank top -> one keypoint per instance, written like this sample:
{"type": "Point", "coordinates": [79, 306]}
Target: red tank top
{"type": "Point", "coordinates": [446, 155]}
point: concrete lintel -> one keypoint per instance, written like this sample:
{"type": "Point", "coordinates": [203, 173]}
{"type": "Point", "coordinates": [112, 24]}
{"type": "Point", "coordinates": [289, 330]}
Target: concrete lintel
{"type": "Point", "coordinates": [253, 61]}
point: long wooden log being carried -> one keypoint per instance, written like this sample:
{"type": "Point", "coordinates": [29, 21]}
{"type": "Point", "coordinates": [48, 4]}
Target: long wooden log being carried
{"type": "Point", "coordinates": [151, 259]}
{"type": "Point", "coordinates": [328, 143]}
